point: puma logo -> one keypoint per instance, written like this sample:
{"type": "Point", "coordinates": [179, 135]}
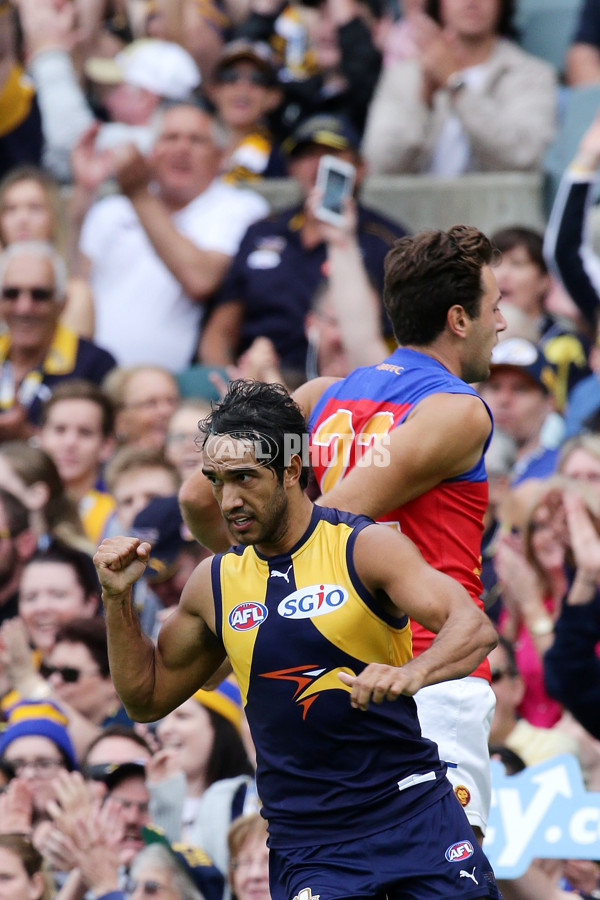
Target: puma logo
{"type": "Point", "coordinates": [285, 575]}
{"type": "Point", "coordinates": [464, 874]}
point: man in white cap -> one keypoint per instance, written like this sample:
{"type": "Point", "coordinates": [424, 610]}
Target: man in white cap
{"type": "Point", "coordinates": [130, 87]}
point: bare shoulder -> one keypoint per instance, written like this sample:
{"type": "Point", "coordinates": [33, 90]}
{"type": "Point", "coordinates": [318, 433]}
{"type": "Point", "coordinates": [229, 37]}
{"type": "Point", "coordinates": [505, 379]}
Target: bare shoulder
{"type": "Point", "coordinates": [309, 393]}
{"type": "Point", "coordinates": [197, 596]}
{"type": "Point", "coordinates": [381, 552]}
{"type": "Point", "coordinates": [453, 413]}
{"type": "Point", "coordinates": [378, 547]}
{"type": "Point", "coordinates": [378, 539]}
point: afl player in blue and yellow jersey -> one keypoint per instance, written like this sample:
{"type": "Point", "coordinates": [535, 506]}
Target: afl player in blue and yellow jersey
{"type": "Point", "coordinates": [311, 606]}
{"type": "Point", "coordinates": [417, 411]}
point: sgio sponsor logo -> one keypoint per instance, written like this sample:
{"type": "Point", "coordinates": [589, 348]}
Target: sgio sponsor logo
{"type": "Point", "coordinates": [460, 851]}
{"type": "Point", "coordinates": [246, 616]}
{"type": "Point", "coordinates": [314, 600]}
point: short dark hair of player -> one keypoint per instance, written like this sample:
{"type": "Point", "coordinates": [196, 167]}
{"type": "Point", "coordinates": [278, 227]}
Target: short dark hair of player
{"type": "Point", "coordinates": [504, 25]}
{"type": "Point", "coordinates": [91, 633]}
{"type": "Point", "coordinates": [428, 273]}
{"type": "Point", "coordinates": [81, 389]}
{"type": "Point", "coordinates": [518, 236]}
{"type": "Point", "coordinates": [266, 415]}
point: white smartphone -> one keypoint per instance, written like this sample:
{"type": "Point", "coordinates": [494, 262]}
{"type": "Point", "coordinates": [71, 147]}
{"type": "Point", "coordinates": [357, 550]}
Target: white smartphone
{"type": "Point", "coordinates": [335, 178]}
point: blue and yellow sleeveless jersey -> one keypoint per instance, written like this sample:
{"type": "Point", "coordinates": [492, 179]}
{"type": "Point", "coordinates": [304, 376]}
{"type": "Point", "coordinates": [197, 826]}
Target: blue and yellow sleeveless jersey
{"type": "Point", "coordinates": [325, 771]}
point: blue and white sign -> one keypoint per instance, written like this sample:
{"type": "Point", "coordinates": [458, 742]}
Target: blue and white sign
{"type": "Point", "coordinates": [543, 811]}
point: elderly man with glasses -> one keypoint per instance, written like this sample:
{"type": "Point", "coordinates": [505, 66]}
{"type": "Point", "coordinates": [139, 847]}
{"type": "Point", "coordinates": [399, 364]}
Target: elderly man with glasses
{"type": "Point", "coordinates": [36, 349]}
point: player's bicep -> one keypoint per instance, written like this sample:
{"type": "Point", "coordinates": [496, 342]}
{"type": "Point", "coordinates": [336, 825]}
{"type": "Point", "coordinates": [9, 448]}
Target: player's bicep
{"type": "Point", "coordinates": [188, 650]}
{"type": "Point", "coordinates": [443, 438]}
{"type": "Point", "coordinates": [449, 431]}
{"type": "Point", "coordinates": [390, 563]}
{"type": "Point", "coordinates": [201, 513]}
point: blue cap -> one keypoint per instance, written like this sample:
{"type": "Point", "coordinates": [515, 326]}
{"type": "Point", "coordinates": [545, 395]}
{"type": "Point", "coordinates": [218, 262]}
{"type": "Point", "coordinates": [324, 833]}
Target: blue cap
{"type": "Point", "coordinates": [194, 861]}
{"type": "Point", "coordinates": [41, 718]}
{"type": "Point", "coordinates": [161, 524]}
{"type": "Point", "coordinates": [258, 52]}
{"type": "Point", "coordinates": [523, 356]}
{"type": "Point", "coordinates": [334, 132]}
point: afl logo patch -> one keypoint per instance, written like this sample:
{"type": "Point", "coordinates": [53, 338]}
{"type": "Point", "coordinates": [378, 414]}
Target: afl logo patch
{"type": "Point", "coordinates": [459, 851]}
{"type": "Point", "coordinates": [314, 600]}
{"type": "Point", "coordinates": [246, 616]}
{"type": "Point", "coordinates": [463, 794]}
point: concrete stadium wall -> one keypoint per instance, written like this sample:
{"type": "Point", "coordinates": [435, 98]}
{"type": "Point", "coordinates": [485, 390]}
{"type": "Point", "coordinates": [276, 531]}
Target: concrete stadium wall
{"type": "Point", "coordinates": [489, 201]}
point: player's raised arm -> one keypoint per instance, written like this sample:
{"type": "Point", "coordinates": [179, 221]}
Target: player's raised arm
{"type": "Point", "coordinates": [464, 634]}
{"type": "Point", "coordinates": [152, 680]}
{"type": "Point", "coordinates": [201, 513]}
{"type": "Point", "coordinates": [309, 393]}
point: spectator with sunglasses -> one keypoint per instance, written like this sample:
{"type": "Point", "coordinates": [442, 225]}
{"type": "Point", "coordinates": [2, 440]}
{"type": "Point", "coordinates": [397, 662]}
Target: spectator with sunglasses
{"type": "Point", "coordinates": [56, 588]}
{"type": "Point", "coordinates": [77, 669]}
{"type": "Point", "coordinates": [330, 55]}
{"type": "Point", "coordinates": [36, 350]}
{"type": "Point", "coordinates": [244, 91]}
{"type": "Point", "coordinates": [532, 743]}
{"type": "Point", "coordinates": [77, 673]}
{"type": "Point", "coordinates": [114, 745]}
{"type": "Point", "coordinates": [159, 869]}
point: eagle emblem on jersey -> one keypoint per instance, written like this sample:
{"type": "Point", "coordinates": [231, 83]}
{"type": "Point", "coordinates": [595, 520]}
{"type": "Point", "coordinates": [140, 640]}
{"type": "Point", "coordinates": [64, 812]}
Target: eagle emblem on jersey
{"type": "Point", "coordinates": [311, 681]}
{"type": "Point", "coordinates": [306, 894]}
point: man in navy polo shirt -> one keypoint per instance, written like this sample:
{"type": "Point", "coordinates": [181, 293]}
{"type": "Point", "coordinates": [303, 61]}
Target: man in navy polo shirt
{"type": "Point", "coordinates": [283, 258]}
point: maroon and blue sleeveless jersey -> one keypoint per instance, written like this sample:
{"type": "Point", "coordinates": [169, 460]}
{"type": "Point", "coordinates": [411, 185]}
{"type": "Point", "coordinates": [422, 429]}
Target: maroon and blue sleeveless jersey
{"type": "Point", "coordinates": [446, 522]}
{"type": "Point", "coordinates": [326, 772]}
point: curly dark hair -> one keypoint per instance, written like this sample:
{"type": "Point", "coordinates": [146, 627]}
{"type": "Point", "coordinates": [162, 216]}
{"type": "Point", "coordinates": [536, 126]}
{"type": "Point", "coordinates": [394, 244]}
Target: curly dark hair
{"type": "Point", "coordinates": [266, 415]}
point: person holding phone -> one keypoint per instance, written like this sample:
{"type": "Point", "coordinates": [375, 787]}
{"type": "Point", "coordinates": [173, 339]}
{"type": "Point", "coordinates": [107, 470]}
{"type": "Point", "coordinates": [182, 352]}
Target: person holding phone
{"type": "Point", "coordinates": [283, 258]}
{"type": "Point", "coordinates": [335, 181]}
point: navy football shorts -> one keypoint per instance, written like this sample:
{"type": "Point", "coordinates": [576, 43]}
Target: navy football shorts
{"type": "Point", "coordinates": [431, 856]}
